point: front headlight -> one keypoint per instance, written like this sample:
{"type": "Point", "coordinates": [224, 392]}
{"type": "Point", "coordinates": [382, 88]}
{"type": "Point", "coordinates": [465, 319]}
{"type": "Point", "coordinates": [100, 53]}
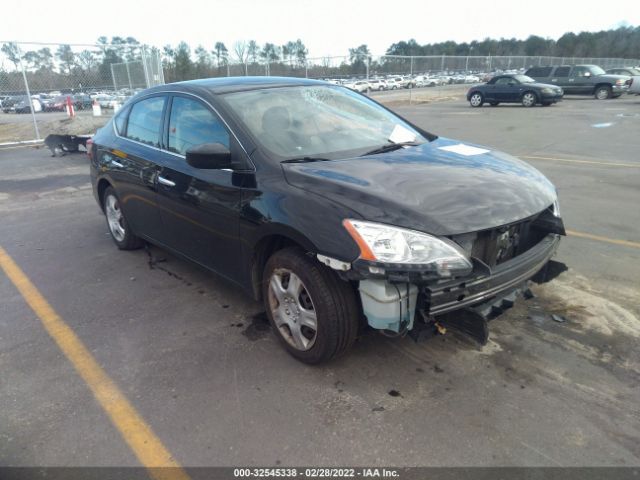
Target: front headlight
{"type": "Point", "coordinates": [548, 90]}
{"type": "Point", "coordinates": [393, 245]}
{"type": "Point", "coordinates": [556, 208]}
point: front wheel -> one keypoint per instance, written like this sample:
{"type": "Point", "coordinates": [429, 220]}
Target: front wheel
{"type": "Point", "coordinates": [476, 100]}
{"type": "Point", "coordinates": [603, 92]}
{"type": "Point", "coordinates": [117, 223]}
{"type": "Point", "coordinates": [312, 311]}
{"type": "Point", "coordinates": [529, 99]}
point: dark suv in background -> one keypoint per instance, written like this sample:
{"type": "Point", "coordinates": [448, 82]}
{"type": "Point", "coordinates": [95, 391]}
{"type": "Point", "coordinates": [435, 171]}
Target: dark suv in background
{"type": "Point", "coordinates": [582, 80]}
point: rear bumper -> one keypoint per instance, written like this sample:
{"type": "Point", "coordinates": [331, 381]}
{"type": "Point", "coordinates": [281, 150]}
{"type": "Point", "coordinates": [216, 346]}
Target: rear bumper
{"type": "Point", "coordinates": [455, 294]}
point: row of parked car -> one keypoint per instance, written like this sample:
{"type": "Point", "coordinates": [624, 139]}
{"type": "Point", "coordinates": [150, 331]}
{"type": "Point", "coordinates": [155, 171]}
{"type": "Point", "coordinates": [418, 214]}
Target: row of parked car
{"type": "Point", "coordinates": [395, 82]}
{"type": "Point", "coordinates": [546, 85]}
{"type": "Point", "coordinates": [57, 101]}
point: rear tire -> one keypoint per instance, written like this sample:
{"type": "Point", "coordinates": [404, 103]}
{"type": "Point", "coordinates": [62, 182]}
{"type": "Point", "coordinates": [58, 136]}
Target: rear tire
{"type": "Point", "coordinates": [312, 311]}
{"type": "Point", "coordinates": [118, 226]}
{"type": "Point", "coordinates": [603, 92]}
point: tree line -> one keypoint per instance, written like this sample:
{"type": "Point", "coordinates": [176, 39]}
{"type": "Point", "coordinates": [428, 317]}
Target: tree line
{"type": "Point", "coordinates": [621, 42]}
{"type": "Point", "coordinates": [66, 68]}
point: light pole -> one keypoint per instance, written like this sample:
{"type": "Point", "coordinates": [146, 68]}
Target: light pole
{"type": "Point", "coordinates": [466, 67]}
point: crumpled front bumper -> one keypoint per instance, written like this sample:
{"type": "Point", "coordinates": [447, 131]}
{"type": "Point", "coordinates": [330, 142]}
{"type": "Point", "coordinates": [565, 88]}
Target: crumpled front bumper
{"type": "Point", "coordinates": [448, 295]}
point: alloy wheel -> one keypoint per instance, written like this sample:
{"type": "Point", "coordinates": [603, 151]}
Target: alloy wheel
{"type": "Point", "coordinates": [115, 218]}
{"type": "Point", "coordinates": [475, 100]}
{"type": "Point", "coordinates": [528, 100]}
{"type": "Point", "coordinates": [292, 309]}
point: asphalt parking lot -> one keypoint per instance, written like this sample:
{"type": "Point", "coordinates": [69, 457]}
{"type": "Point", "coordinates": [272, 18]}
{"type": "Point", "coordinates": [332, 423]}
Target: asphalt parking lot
{"type": "Point", "coordinates": [197, 362]}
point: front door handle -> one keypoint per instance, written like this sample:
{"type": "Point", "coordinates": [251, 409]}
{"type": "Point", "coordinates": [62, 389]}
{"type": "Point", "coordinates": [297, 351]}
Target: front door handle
{"type": "Point", "coordinates": [166, 181]}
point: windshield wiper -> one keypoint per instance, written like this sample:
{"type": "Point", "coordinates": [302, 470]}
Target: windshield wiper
{"type": "Point", "coordinates": [306, 160]}
{"type": "Point", "coordinates": [391, 147]}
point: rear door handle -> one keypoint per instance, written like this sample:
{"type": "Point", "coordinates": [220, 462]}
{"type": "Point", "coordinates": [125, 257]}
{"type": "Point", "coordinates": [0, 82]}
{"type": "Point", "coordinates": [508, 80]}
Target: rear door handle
{"type": "Point", "coordinates": [166, 181]}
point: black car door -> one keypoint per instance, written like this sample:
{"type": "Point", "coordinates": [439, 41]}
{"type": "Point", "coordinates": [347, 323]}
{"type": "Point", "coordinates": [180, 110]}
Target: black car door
{"type": "Point", "coordinates": [503, 91]}
{"type": "Point", "coordinates": [200, 208]}
{"type": "Point", "coordinates": [131, 163]}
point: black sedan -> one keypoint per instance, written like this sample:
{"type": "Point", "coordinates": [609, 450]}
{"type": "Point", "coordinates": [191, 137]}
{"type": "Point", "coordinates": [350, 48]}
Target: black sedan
{"type": "Point", "coordinates": [337, 213]}
{"type": "Point", "coordinates": [514, 89]}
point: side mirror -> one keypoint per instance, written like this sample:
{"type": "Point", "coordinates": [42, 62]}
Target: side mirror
{"type": "Point", "coordinates": [587, 74]}
{"type": "Point", "coordinates": [209, 156]}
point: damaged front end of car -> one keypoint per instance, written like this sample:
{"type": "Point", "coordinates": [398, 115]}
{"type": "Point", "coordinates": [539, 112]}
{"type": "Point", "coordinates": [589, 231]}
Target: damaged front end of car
{"type": "Point", "coordinates": [415, 283]}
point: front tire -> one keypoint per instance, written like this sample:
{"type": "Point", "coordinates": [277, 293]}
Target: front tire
{"type": "Point", "coordinates": [603, 92]}
{"type": "Point", "coordinates": [312, 311]}
{"type": "Point", "coordinates": [476, 100]}
{"type": "Point", "coordinates": [529, 99]}
{"type": "Point", "coordinates": [117, 223]}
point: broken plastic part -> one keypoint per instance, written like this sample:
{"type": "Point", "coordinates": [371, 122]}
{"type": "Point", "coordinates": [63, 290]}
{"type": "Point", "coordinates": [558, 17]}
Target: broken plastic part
{"type": "Point", "coordinates": [388, 306]}
{"type": "Point", "coordinates": [334, 263]}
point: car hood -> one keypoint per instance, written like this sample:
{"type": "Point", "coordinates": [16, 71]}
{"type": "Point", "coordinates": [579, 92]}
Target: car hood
{"type": "Point", "coordinates": [612, 77]}
{"type": "Point", "coordinates": [429, 188]}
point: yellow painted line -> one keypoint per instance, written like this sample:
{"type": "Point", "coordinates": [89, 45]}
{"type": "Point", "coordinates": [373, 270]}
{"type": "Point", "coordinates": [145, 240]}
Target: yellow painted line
{"type": "Point", "coordinates": [625, 243]}
{"type": "Point", "coordinates": [590, 162]}
{"type": "Point", "coordinates": [134, 430]}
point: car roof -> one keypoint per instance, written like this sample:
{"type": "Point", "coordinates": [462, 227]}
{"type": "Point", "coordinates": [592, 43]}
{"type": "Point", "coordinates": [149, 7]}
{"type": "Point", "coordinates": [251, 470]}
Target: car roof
{"type": "Point", "coordinates": [223, 85]}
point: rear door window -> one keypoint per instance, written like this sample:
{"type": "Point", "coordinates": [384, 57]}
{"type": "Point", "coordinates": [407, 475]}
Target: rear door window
{"type": "Point", "coordinates": [145, 121]}
{"type": "Point", "coordinates": [505, 81]}
{"type": "Point", "coordinates": [562, 72]}
{"type": "Point", "coordinates": [191, 123]}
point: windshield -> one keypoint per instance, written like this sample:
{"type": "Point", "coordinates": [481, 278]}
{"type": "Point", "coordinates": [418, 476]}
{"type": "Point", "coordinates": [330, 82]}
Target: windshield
{"type": "Point", "coordinates": [595, 70]}
{"type": "Point", "coordinates": [318, 121]}
{"type": "Point", "coordinates": [524, 79]}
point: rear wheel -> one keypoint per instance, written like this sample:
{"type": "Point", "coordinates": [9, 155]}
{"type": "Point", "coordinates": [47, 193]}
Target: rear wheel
{"type": "Point", "coordinates": [117, 223]}
{"type": "Point", "coordinates": [529, 99]}
{"type": "Point", "coordinates": [312, 311]}
{"type": "Point", "coordinates": [603, 92]}
{"type": "Point", "coordinates": [476, 100]}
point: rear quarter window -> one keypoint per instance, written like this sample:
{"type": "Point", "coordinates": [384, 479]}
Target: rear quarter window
{"type": "Point", "coordinates": [539, 72]}
{"type": "Point", "coordinates": [120, 120]}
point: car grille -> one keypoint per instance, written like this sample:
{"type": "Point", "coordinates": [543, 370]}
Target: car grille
{"type": "Point", "coordinates": [499, 245]}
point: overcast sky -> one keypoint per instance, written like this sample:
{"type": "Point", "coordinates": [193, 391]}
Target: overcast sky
{"type": "Point", "coordinates": [327, 27]}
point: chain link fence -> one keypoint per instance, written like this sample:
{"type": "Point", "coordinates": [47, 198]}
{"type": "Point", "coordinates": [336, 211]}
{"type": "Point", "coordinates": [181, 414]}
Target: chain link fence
{"type": "Point", "coordinates": [368, 66]}
{"type": "Point", "coordinates": [42, 79]}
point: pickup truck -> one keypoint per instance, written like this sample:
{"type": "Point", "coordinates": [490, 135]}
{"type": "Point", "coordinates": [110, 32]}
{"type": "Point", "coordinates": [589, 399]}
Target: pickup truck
{"type": "Point", "coordinates": [582, 80]}
{"type": "Point", "coordinates": [634, 73]}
